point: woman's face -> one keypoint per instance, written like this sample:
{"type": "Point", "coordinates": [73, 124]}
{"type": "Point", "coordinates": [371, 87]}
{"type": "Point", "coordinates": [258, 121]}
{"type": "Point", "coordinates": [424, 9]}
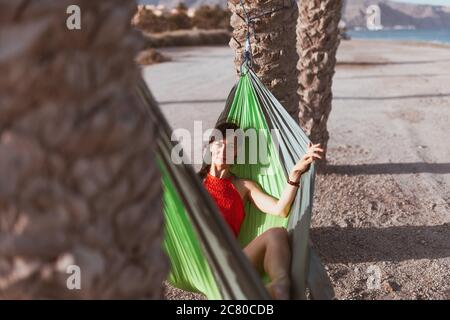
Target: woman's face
{"type": "Point", "coordinates": [223, 151]}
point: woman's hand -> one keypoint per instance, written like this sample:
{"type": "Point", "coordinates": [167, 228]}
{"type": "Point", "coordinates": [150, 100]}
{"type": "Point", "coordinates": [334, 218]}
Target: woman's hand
{"type": "Point", "coordinates": [314, 152]}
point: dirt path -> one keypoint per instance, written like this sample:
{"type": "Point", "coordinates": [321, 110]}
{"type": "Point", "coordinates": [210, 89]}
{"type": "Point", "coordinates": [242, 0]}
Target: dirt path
{"type": "Point", "coordinates": [383, 207]}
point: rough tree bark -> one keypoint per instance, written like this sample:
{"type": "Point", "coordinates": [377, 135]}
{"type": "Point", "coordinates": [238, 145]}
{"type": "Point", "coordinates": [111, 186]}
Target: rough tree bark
{"type": "Point", "coordinates": [318, 40]}
{"type": "Point", "coordinates": [79, 184]}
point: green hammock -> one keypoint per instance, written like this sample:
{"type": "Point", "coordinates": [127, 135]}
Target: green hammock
{"type": "Point", "coordinates": [203, 253]}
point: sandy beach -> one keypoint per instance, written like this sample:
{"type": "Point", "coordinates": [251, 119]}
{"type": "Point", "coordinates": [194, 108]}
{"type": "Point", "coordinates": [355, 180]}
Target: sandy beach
{"type": "Point", "coordinates": [384, 201]}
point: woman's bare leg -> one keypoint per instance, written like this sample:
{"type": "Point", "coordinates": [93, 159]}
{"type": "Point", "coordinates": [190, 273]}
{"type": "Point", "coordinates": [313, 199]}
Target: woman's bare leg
{"type": "Point", "coordinates": [270, 252]}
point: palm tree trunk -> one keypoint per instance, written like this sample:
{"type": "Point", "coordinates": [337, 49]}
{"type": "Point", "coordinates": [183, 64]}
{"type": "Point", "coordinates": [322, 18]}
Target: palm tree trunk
{"type": "Point", "coordinates": [274, 51]}
{"type": "Point", "coordinates": [318, 40]}
{"type": "Point", "coordinates": [79, 184]}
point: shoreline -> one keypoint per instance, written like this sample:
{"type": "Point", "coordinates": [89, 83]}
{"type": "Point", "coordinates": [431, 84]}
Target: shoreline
{"type": "Point", "coordinates": [404, 42]}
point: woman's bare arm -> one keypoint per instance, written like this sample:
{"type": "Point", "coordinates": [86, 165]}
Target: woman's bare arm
{"type": "Point", "coordinates": [281, 207]}
{"type": "Point", "coordinates": [268, 204]}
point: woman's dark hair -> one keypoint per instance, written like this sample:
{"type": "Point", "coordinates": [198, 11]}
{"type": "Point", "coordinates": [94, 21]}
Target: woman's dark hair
{"type": "Point", "coordinates": [222, 128]}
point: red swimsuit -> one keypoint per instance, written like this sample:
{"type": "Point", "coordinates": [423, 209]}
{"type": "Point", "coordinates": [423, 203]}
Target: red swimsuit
{"type": "Point", "coordinates": [227, 199]}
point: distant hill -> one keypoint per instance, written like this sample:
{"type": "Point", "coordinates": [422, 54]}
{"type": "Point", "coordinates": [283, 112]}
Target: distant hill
{"type": "Point", "coordinates": [397, 14]}
{"type": "Point", "coordinates": [392, 13]}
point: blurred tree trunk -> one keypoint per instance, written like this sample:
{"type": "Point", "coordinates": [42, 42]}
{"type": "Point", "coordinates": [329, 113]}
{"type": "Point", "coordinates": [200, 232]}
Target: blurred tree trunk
{"type": "Point", "coordinates": [318, 40]}
{"type": "Point", "coordinates": [79, 184]}
{"type": "Point", "coordinates": [274, 51]}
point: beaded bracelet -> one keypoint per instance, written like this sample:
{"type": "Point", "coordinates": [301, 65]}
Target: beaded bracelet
{"type": "Point", "coordinates": [295, 184]}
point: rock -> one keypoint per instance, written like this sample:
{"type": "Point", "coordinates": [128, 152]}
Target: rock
{"type": "Point", "coordinates": [342, 224]}
{"type": "Point", "coordinates": [150, 56]}
{"type": "Point", "coordinates": [391, 286]}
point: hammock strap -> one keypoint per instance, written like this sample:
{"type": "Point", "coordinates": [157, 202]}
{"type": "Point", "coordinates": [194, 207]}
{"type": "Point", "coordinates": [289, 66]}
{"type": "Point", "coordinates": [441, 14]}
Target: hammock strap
{"type": "Point", "coordinates": [247, 61]}
{"type": "Point", "coordinates": [250, 22]}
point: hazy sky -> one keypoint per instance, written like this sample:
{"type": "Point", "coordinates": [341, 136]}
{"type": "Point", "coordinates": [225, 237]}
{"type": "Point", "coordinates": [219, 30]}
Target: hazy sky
{"type": "Point", "coordinates": [433, 2]}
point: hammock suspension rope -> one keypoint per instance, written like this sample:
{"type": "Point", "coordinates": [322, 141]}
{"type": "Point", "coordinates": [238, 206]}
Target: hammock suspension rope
{"type": "Point", "coordinates": [250, 24]}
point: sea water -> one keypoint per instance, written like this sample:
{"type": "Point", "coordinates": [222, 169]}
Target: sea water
{"type": "Point", "coordinates": [427, 35]}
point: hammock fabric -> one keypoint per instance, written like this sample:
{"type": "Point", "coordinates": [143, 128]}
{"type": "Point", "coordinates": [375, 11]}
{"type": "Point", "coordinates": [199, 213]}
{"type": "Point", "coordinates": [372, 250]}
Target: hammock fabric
{"type": "Point", "coordinates": [203, 254]}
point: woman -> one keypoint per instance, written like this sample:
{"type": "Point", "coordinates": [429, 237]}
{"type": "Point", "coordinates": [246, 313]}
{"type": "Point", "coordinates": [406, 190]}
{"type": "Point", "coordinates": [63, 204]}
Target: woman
{"type": "Point", "coordinates": [269, 252]}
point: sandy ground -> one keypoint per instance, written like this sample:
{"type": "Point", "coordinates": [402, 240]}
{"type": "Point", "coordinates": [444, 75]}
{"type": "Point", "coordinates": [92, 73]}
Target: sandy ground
{"type": "Point", "coordinates": [383, 206]}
